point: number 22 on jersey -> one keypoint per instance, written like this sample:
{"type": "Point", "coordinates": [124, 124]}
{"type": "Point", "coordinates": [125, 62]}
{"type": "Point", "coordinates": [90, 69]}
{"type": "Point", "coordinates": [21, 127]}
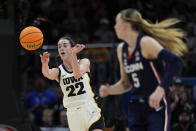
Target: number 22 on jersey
{"type": "Point", "coordinates": [72, 89]}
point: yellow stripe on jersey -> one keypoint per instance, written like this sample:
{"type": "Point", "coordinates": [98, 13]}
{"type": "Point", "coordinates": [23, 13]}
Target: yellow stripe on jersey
{"type": "Point", "coordinates": [95, 103]}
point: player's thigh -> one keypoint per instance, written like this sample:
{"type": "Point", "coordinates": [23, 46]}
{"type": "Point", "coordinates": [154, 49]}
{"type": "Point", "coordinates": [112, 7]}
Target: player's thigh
{"type": "Point", "coordinates": [92, 117]}
{"type": "Point", "coordinates": [158, 121]}
{"type": "Point", "coordinates": [137, 127]}
{"type": "Point", "coordinates": [135, 115]}
{"type": "Point", "coordinates": [97, 130]}
{"type": "Point", "coordinates": [74, 121]}
{"type": "Point", "coordinates": [97, 125]}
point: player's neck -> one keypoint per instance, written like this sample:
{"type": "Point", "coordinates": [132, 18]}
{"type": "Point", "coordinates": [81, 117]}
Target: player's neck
{"type": "Point", "coordinates": [67, 65]}
{"type": "Point", "coordinates": [131, 39]}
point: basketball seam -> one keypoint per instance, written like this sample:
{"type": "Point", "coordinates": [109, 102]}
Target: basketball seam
{"type": "Point", "coordinates": [33, 41]}
{"type": "Point", "coordinates": [29, 34]}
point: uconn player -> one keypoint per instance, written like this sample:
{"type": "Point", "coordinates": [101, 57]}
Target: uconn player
{"type": "Point", "coordinates": [149, 59]}
{"type": "Point", "coordinates": [82, 111]}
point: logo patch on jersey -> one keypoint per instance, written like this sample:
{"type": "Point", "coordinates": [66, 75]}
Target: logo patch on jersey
{"type": "Point", "coordinates": [124, 54]}
{"type": "Point", "coordinates": [125, 60]}
{"type": "Point", "coordinates": [63, 75]}
{"type": "Point", "coordinates": [134, 67]}
{"type": "Point", "coordinates": [129, 56]}
{"type": "Point", "coordinates": [137, 56]}
{"type": "Point", "coordinates": [70, 80]}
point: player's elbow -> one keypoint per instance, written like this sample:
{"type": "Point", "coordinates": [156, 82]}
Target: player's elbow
{"type": "Point", "coordinates": [77, 76]}
{"type": "Point", "coordinates": [47, 75]}
{"type": "Point", "coordinates": [178, 63]}
{"type": "Point", "coordinates": [126, 84]}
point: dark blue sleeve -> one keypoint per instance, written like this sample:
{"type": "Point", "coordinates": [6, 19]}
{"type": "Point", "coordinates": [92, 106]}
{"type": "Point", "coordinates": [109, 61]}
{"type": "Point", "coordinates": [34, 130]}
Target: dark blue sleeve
{"type": "Point", "coordinates": [174, 66]}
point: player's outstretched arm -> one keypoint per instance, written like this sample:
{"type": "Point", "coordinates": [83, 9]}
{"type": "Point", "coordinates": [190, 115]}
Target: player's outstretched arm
{"type": "Point", "coordinates": [51, 74]}
{"type": "Point", "coordinates": [83, 66]}
{"type": "Point", "coordinates": [122, 86]}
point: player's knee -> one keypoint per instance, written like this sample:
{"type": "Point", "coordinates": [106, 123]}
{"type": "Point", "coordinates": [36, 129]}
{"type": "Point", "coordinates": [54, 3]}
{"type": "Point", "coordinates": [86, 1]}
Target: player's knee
{"type": "Point", "coordinates": [97, 130]}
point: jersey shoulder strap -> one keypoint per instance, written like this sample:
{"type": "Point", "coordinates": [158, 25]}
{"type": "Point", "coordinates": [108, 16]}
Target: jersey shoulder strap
{"type": "Point", "coordinates": [60, 68]}
{"type": "Point", "coordinates": [138, 41]}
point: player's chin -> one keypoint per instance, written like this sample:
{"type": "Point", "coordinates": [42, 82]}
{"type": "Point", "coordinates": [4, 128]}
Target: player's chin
{"type": "Point", "coordinates": [118, 36]}
{"type": "Point", "coordinates": [65, 57]}
{"type": "Point", "coordinates": [62, 57]}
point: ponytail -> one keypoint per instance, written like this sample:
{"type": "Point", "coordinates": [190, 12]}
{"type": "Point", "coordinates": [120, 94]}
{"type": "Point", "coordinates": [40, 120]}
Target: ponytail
{"type": "Point", "coordinates": [169, 38]}
{"type": "Point", "coordinates": [58, 61]}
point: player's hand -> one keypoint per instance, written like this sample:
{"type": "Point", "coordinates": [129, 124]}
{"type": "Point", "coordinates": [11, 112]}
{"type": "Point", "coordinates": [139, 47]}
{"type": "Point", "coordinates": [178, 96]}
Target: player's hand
{"type": "Point", "coordinates": [45, 58]}
{"type": "Point", "coordinates": [104, 90]}
{"type": "Point", "coordinates": [77, 48]}
{"type": "Point", "coordinates": [156, 97]}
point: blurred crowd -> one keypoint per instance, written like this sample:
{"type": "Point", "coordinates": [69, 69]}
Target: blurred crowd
{"type": "Point", "coordinates": [92, 21]}
{"type": "Point", "coordinates": [183, 107]}
{"type": "Point", "coordinates": [3, 10]}
{"type": "Point", "coordinates": [87, 20]}
{"type": "Point", "coordinates": [44, 107]}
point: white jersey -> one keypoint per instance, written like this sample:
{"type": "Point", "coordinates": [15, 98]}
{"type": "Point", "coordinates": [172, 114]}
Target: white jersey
{"type": "Point", "coordinates": [76, 91]}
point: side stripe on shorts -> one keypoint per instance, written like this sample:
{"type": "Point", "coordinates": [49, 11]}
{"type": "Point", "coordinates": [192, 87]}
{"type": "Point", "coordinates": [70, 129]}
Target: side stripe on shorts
{"type": "Point", "coordinates": [159, 79]}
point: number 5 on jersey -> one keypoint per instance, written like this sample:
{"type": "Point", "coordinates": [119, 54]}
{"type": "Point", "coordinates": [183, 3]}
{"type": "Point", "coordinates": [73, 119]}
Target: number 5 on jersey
{"type": "Point", "coordinates": [136, 81]}
{"type": "Point", "coordinates": [72, 89]}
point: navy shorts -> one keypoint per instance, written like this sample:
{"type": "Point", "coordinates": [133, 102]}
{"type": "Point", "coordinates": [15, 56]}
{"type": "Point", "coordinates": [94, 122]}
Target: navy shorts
{"type": "Point", "coordinates": [141, 117]}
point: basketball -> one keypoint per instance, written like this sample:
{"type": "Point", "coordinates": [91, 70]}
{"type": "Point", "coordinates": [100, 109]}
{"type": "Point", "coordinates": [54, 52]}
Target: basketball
{"type": "Point", "coordinates": [31, 38]}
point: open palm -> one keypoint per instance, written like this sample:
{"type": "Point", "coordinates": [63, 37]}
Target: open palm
{"type": "Point", "coordinates": [45, 58]}
{"type": "Point", "coordinates": [76, 49]}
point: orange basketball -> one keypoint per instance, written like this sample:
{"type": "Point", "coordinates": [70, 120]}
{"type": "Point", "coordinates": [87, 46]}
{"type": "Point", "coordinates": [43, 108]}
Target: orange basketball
{"type": "Point", "coordinates": [31, 38]}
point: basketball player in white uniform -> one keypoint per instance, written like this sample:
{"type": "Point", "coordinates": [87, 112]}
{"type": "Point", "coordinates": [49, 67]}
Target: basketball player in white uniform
{"type": "Point", "coordinates": [72, 74]}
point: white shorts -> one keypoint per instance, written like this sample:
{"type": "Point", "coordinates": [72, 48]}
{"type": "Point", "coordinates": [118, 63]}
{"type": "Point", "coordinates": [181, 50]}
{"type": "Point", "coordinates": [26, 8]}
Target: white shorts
{"type": "Point", "coordinates": [82, 117]}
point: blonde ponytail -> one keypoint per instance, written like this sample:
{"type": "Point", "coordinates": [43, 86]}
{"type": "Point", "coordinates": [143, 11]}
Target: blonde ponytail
{"type": "Point", "coordinates": [169, 38]}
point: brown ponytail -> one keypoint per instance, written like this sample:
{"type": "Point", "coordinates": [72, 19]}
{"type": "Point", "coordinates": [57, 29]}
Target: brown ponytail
{"type": "Point", "coordinates": [58, 61]}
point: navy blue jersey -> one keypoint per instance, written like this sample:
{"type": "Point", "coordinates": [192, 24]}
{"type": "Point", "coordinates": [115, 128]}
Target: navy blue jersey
{"type": "Point", "coordinates": [144, 75]}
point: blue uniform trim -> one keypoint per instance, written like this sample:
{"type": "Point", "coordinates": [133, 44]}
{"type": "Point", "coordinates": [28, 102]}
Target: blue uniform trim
{"type": "Point", "coordinates": [174, 66]}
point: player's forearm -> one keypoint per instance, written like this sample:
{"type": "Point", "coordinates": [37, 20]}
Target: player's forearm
{"type": "Point", "coordinates": [76, 67]}
{"type": "Point", "coordinates": [119, 88]}
{"type": "Point", "coordinates": [46, 71]}
{"type": "Point", "coordinates": [174, 66]}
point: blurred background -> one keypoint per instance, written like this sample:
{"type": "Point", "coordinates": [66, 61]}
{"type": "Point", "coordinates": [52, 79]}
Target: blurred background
{"type": "Point", "coordinates": [90, 22]}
